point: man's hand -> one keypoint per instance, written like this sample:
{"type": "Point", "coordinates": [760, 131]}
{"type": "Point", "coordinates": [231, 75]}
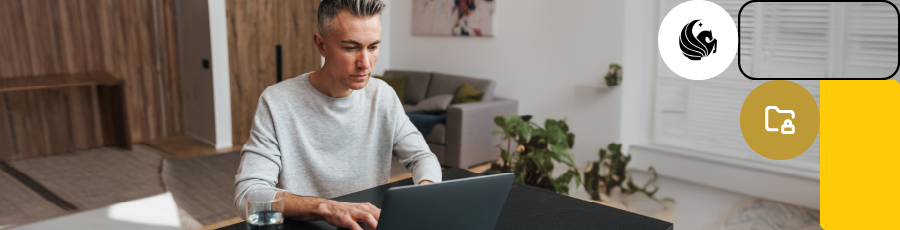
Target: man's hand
{"type": "Point", "coordinates": [424, 182]}
{"type": "Point", "coordinates": [346, 215]}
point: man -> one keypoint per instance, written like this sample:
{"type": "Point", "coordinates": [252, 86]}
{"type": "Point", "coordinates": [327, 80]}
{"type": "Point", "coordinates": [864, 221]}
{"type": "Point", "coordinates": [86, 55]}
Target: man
{"type": "Point", "coordinates": [331, 132]}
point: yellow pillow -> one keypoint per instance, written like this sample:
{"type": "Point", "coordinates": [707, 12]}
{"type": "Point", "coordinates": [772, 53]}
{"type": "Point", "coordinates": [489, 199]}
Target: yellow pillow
{"type": "Point", "coordinates": [399, 85]}
{"type": "Point", "coordinates": [466, 94]}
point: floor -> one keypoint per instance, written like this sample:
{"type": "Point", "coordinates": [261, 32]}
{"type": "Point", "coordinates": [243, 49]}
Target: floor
{"type": "Point", "coordinates": [697, 206]}
{"type": "Point", "coordinates": [152, 213]}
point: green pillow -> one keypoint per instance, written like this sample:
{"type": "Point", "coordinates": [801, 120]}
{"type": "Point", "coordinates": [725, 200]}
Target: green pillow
{"type": "Point", "coordinates": [467, 94]}
{"type": "Point", "coordinates": [399, 85]}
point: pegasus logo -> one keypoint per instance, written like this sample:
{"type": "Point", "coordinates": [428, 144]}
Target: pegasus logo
{"type": "Point", "coordinates": [696, 48]}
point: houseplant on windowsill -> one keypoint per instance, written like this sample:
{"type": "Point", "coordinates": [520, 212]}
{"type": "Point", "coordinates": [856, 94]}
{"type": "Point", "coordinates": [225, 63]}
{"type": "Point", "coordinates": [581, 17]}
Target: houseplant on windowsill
{"type": "Point", "coordinates": [537, 148]}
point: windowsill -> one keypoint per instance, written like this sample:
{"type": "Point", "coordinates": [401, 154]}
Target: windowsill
{"type": "Point", "coordinates": [748, 164]}
{"type": "Point", "coordinates": [774, 182]}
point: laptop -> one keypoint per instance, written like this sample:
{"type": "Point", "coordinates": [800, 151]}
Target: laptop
{"type": "Point", "coordinates": [468, 203]}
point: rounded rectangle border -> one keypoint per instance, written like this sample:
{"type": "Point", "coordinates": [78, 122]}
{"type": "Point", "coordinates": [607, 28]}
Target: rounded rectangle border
{"type": "Point", "coordinates": [741, 68]}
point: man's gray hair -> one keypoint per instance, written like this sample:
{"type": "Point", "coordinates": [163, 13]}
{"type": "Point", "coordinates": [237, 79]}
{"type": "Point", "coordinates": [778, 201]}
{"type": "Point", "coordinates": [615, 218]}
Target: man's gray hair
{"type": "Point", "coordinates": [328, 9]}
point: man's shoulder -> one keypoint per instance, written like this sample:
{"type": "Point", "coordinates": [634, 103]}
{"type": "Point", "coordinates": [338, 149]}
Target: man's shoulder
{"type": "Point", "coordinates": [287, 87]}
{"type": "Point", "coordinates": [379, 88]}
{"type": "Point", "coordinates": [375, 84]}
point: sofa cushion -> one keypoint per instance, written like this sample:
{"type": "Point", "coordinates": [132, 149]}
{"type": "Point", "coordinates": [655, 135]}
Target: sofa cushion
{"type": "Point", "coordinates": [449, 84]}
{"type": "Point", "coordinates": [399, 85]}
{"type": "Point", "coordinates": [408, 107]}
{"type": "Point", "coordinates": [467, 94]}
{"type": "Point", "coordinates": [433, 104]}
{"type": "Point", "coordinates": [438, 135]}
{"type": "Point", "coordinates": [416, 84]}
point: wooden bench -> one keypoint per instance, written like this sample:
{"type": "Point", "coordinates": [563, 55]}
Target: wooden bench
{"type": "Point", "coordinates": [110, 99]}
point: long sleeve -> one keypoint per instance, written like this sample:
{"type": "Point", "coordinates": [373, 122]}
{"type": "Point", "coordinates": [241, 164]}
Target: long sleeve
{"type": "Point", "coordinates": [260, 157]}
{"type": "Point", "coordinates": [413, 152]}
{"type": "Point", "coordinates": [310, 144]}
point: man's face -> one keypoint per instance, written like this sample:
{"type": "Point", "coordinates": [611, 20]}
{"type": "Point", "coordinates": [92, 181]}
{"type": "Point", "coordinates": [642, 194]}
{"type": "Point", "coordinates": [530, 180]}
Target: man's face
{"type": "Point", "coordinates": [351, 48]}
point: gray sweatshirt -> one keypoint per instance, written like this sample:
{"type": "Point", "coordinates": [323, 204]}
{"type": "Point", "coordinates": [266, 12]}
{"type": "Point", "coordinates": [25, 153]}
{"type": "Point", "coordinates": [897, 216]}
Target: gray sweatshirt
{"type": "Point", "coordinates": [311, 144]}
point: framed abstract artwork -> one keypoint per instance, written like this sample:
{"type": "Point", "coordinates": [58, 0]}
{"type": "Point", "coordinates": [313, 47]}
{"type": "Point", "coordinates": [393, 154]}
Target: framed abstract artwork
{"type": "Point", "coordinates": [465, 18]}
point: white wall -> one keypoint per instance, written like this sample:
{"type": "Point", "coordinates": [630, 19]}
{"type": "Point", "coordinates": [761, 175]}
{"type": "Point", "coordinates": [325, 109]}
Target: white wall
{"type": "Point", "coordinates": [218, 31]}
{"type": "Point", "coordinates": [541, 51]}
{"type": "Point", "coordinates": [384, 51]}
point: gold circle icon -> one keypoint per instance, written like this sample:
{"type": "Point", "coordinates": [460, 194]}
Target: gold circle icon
{"type": "Point", "coordinates": [780, 120]}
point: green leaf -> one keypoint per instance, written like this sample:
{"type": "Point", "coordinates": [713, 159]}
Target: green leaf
{"type": "Point", "coordinates": [563, 126]}
{"type": "Point", "coordinates": [537, 131]}
{"type": "Point", "coordinates": [525, 132]}
{"type": "Point", "coordinates": [511, 124]}
{"type": "Point", "coordinates": [538, 158]}
{"type": "Point", "coordinates": [504, 154]}
{"type": "Point", "coordinates": [567, 158]}
{"type": "Point", "coordinates": [526, 118]}
{"type": "Point", "coordinates": [577, 178]}
{"type": "Point", "coordinates": [613, 147]}
{"type": "Point", "coordinates": [496, 132]}
{"type": "Point", "coordinates": [602, 154]}
{"type": "Point", "coordinates": [500, 121]}
{"type": "Point", "coordinates": [514, 119]}
{"type": "Point", "coordinates": [570, 139]}
{"type": "Point", "coordinates": [548, 163]}
{"type": "Point", "coordinates": [550, 124]}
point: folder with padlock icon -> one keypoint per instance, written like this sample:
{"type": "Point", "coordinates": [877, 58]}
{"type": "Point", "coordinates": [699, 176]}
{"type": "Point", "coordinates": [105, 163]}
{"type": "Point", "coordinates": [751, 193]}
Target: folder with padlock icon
{"type": "Point", "coordinates": [788, 124]}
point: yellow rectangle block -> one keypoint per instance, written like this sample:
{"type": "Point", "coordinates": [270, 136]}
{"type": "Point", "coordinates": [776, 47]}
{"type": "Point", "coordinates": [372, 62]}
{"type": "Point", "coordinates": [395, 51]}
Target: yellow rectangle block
{"type": "Point", "coordinates": [860, 155]}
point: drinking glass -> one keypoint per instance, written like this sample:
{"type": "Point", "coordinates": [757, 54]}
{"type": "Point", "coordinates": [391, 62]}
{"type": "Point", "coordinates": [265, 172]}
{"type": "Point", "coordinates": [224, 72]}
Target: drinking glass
{"type": "Point", "coordinates": [264, 208]}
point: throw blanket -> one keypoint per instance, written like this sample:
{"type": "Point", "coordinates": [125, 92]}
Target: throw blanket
{"type": "Point", "coordinates": [425, 121]}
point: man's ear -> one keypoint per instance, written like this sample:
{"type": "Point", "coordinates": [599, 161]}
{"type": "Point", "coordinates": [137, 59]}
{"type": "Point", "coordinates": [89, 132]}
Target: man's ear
{"type": "Point", "coordinates": [320, 43]}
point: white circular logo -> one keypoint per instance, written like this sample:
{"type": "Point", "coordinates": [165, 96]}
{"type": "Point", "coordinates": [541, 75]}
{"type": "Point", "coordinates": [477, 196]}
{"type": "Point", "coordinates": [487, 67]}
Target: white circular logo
{"type": "Point", "coordinates": [698, 40]}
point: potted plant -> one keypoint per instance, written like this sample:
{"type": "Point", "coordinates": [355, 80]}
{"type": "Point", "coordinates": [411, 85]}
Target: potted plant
{"type": "Point", "coordinates": [609, 173]}
{"type": "Point", "coordinates": [614, 75]}
{"type": "Point", "coordinates": [536, 151]}
{"type": "Point", "coordinates": [608, 182]}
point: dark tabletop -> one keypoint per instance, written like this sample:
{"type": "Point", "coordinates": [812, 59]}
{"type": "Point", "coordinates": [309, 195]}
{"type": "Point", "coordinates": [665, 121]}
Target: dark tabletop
{"type": "Point", "coordinates": [526, 207]}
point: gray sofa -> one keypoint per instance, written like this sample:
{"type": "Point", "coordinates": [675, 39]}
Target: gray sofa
{"type": "Point", "coordinates": [465, 139]}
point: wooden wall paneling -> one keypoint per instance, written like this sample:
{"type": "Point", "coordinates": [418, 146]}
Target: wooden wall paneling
{"type": "Point", "coordinates": [128, 51]}
{"type": "Point", "coordinates": [39, 31]}
{"type": "Point", "coordinates": [168, 39]}
{"type": "Point", "coordinates": [55, 44]}
{"type": "Point", "coordinates": [93, 33]}
{"type": "Point", "coordinates": [43, 37]}
{"type": "Point", "coordinates": [252, 36]}
{"type": "Point", "coordinates": [141, 71]}
{"type": "Point", "coordinates": [70, 37]}
{"type": "Point", "coordinates": [7, 146]}
{"type": "Point", "coordinates": [13, 40]}
{"type": "Point", "coordinates": [298, 23]}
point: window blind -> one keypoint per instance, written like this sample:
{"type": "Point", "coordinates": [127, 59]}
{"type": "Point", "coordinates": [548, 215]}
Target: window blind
{"type": "Point", "coordinates": [871, 40]}
{"type": "Point", "coordinates": [795, 40]}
